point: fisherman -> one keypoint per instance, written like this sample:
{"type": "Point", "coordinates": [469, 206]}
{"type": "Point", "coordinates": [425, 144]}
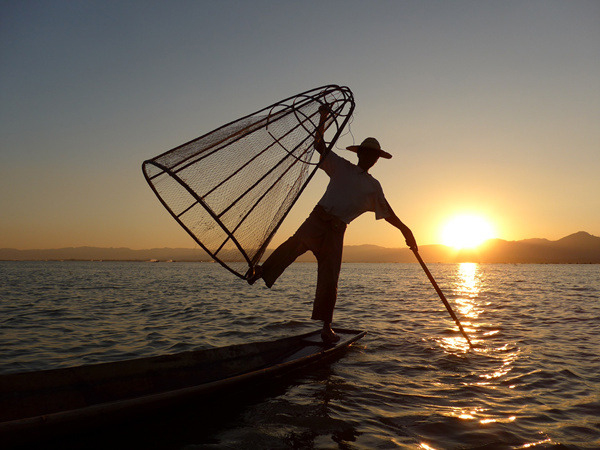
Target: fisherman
{"type": "Point", "coordinates": [351, 192]}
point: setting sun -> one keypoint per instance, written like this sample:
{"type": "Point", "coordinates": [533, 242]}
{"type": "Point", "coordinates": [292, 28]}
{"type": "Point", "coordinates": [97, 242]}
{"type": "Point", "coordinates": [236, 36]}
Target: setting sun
{"type": "Point", "coordinates": [466, 231]}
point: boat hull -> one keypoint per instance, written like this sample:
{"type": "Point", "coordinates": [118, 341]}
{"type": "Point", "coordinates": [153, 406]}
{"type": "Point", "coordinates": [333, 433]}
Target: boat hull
{"type": "Point", "coordinates": [34, 405]}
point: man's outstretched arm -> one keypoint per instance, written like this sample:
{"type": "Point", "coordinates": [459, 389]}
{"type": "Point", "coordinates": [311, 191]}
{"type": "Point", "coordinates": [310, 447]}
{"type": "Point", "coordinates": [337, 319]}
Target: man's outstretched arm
{"type": "Point", "coordinates": [408, 235]}
{"type": "Point", "coordinates": [319, 141]}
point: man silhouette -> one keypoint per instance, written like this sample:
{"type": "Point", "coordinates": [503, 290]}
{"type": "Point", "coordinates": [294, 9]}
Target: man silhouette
{"type": "Point", "coordinates": [351, 192]}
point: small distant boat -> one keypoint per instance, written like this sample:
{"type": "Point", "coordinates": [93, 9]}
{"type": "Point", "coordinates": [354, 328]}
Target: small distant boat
{"type": "Point", "coordinates": [35, 405]}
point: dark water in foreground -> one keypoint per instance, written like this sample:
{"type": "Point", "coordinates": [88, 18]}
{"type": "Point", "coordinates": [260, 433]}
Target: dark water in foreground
{"type": "Point", "coordinates": [410, 383]}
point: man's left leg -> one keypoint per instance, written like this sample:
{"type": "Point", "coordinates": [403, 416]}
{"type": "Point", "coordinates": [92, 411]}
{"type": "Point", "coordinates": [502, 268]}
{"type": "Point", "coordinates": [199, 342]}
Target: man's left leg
{"type": "Point", "coordinates": [329, 260]}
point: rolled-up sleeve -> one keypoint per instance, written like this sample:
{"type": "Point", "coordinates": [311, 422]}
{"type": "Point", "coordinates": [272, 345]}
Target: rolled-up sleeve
{"type": "Point", "coordinates": [330, 163]}
{"type": "Point", "coordinates": [381, 207]}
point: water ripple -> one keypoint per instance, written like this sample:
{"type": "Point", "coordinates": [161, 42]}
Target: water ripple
{"type": "Point", "coordinates": [412, 382]}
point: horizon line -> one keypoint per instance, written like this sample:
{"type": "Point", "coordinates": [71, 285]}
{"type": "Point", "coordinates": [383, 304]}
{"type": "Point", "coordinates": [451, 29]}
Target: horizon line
{"type": "Point", "coordinates": [345, 245]}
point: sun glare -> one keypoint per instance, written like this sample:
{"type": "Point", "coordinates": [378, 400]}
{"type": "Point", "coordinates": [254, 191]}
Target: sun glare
{"type": "Point", "coordinates": [466, 231]}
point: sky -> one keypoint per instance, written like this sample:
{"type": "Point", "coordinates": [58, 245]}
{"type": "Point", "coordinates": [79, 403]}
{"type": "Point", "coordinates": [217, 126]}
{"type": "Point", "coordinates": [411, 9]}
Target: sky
{"type": "Point", "coordinates": [489, 108]}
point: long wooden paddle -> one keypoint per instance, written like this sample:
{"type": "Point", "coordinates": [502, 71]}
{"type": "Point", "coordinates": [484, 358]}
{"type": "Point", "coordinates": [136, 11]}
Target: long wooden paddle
{"type": "Point", "coordinates": [442, 296]}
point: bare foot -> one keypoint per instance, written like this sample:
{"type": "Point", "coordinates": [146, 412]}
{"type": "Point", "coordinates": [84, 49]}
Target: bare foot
{"type": "Point", "coordinates": [253, 274]}
{"type": "Point", "coordinates": [328, 335]}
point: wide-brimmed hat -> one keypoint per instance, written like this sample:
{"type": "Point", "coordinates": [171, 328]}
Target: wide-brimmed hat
{"type": "Point", "coordinates": [370, 144]}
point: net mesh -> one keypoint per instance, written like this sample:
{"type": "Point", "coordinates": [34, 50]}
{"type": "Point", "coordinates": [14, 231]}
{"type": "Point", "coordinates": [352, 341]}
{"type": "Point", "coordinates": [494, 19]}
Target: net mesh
{"type": "Point", "coordinates": [231, 188]}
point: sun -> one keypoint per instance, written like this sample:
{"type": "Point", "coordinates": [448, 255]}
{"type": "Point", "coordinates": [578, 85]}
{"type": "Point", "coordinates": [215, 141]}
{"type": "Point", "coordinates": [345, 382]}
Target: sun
{"type": "Point", "coordinates": [467, 231]}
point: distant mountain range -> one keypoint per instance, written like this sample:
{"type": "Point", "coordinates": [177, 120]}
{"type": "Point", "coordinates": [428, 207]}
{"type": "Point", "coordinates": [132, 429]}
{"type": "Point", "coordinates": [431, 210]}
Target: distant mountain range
{"type": "Point", "coordinates": [578, 248]}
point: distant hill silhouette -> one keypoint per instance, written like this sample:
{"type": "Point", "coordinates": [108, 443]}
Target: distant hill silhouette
{"type": "Point", "coordinates": [578, 248]}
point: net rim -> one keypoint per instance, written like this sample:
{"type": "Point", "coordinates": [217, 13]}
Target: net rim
{"type": "Point", "coordinates": [345, 99]}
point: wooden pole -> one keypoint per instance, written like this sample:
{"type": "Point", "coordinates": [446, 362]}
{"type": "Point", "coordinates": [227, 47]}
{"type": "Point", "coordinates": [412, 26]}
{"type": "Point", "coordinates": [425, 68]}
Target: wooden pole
{"type": "Point", "coordinates": [442, 296]}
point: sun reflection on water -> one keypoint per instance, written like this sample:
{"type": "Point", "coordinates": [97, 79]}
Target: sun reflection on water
{"type": "Point", "coordinates": [482, 415]}
{"type": "Point", "coordinates": [456, 344]}
{"type": "Point", "coordinates": [494, 362]}
{"type": "Point", "coordinates": [424, 446]}
{"type": "Point", "coordinates": [468, 286]}
{"type": "Point", "coordinates": [467, 277]}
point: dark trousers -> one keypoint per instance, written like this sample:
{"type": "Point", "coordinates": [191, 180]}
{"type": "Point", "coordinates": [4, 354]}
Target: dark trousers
{"type": "Point", "coordinates": [323, 234]}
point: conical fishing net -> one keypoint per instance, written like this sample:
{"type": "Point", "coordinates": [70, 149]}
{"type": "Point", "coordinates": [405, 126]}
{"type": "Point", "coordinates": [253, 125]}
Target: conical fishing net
{"type": "Point", "coordinates": [232, 188]}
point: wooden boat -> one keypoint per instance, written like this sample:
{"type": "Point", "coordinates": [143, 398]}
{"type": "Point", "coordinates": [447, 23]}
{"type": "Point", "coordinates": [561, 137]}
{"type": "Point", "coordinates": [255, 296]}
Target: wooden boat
{"type": "Point", "coordinates": [44, 403]}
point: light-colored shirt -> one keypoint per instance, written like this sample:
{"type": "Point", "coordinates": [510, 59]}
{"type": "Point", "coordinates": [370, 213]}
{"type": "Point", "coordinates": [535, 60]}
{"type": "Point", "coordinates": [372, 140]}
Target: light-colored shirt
{"type": "Point", "coordinates": [351, 191]}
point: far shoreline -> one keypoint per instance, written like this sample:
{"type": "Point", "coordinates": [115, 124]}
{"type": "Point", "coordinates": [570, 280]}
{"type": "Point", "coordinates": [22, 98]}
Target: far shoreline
{"type": "Point", "coordinates": [296, 262]}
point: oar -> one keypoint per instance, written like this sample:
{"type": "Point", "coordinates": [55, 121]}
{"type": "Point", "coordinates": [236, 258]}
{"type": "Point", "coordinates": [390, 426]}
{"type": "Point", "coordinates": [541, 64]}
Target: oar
{"type": "Point", "coordinates": [442, 296]}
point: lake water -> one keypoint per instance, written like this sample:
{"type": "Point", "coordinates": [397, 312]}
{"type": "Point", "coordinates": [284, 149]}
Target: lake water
{"type": "Point", "coordinates": [533, 382]}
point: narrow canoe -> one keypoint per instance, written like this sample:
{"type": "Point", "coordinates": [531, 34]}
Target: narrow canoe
{"type": "Point", "coordinates": [36, 404]}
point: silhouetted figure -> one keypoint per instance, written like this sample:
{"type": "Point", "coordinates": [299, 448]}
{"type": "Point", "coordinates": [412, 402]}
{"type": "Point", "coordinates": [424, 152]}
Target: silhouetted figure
{"type": "Point", "coordinates": [351, 192]}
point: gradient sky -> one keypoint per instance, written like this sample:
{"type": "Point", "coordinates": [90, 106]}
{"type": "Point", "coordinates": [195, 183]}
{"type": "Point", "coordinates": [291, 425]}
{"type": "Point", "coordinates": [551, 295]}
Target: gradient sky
{"type": "Point", "coordinates": [489, 107]}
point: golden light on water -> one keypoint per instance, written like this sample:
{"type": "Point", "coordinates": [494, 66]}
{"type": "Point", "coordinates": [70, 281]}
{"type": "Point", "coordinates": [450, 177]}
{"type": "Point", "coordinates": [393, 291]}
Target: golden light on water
{"type": "Point", "coordinates": [481, 415]}
{"type": "Point", "coordinates": [535, 444]}
{"type": "Point", "coordinates": [468, 297]}
{"type": "Point", "coordinates": [506, 420]}
{"type": "Point", "coordinates": [466, 278]}
{"type": "Point", "coordinates": [467, 289]}
{"type": "Point", "coordinates": [467, 231]}
{"type": "Point", "coordinates": [424, 446]}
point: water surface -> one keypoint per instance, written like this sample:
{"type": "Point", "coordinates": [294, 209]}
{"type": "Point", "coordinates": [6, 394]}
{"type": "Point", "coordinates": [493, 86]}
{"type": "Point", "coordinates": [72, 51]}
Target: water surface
{"type": "Point", "coordinates": [533, 382]}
